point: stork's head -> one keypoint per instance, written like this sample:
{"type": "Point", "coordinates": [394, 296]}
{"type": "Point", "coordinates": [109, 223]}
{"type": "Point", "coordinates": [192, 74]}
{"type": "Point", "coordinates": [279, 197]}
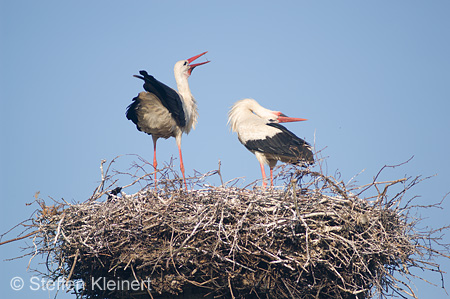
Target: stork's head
{"type": "Point", "coordinates": [278, 117]}
{"type": "Point", "coordinates": [269, 115]}
{"type": "Point", "coordinates": [185, 68]}
{"type": "Point", "coordinates": [248, 109]}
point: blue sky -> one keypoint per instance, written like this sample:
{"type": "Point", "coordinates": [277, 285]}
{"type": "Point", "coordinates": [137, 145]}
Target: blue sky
{"type": "Point", "coordinates": [371, 77]}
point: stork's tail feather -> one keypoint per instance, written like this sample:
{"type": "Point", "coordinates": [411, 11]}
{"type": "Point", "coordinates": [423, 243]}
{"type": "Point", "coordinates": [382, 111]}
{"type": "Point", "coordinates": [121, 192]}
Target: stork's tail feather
{"type": "Point", "coordinates": [306, 156]}
{"type": "Point", "coordinates": [144, 76]}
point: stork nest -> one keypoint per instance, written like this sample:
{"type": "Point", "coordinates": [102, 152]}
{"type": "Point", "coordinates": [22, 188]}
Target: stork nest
{"type": "Point", "coordinates": [314, 237]}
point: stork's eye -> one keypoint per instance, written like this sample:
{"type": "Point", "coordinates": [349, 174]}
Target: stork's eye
{"type": "Point", "coordinates": [185, 62]}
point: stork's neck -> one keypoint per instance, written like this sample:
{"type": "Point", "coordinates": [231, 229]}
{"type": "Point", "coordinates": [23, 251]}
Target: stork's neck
{"type": "Point", "coordinates": [183, 86]}
{"type": "Point", "coordinates": [189, 103]}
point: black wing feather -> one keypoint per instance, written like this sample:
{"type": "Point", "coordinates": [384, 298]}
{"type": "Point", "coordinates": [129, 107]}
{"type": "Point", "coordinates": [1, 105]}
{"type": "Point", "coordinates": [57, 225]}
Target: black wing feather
{"type": "Point", "coordinates": [168, 97]}
{"type": "Point", "coordinates": [285, 143]}
{"type": "Point", "coordinates": [131, 111]}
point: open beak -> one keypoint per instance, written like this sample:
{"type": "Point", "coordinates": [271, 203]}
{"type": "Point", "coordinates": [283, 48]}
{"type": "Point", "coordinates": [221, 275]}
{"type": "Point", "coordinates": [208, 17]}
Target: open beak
{"type": "Point", "coordinates": [192, 66]}
{"type": "Point", "coordinates": [284, 119]}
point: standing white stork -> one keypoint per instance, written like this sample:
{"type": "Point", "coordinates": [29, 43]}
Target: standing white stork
{"type": "Point", "coordinates": [163, 112]}
{"type": "Point", "coordinates": [259, 131]}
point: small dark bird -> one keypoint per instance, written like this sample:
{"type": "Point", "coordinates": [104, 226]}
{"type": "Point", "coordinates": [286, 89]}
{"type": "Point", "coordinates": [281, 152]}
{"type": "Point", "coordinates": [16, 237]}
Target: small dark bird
{"type": "Point", "coordinates": [114, 192]}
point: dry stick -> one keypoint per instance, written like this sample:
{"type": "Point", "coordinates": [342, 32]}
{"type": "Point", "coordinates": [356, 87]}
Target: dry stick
{"type": "Point", "coordinates": [73, 266]}
{"type": "Point", "coordinates": [434, 251]}
{"type": "Point", "coordinates": [19, 238]}
{"type": "Point", "coordinates": [187, 239]}
{"type": "Point", "coordinates": [233, 262]}
{"type": "Point", "coordinates": [308, 256]}
{"type": "Point", "coordinates": [229, 285]}
{"type": "Point", "coordinates": [288, 288]}
{"type": "Point", "coordinates": [294, 194]}
{"type": "Point", "coordinates": [378, 174]}
{"type": "Point", "coordinates": [238, 227]}
{"type": "Point", "coordinates": [389, 184]}
{"type": "Point", "coordinates": [102, 183]}
{"type": "Point", "coordinates": [219, 172]}
{"type": "Point", "coordinates": [34, 254]}
{"type": "Point", "coordinates": [329, 181]}
{"type": "Point", "coordinates": [58, 230]}
{"type": "Point", "coordinates": [142, 282]}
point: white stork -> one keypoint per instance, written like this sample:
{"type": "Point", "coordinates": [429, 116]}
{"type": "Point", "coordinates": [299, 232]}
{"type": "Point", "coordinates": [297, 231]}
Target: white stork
{"type": "Point", "coordinates": [259, 131]}
{"type": "Point", "coordinates": [163, 112]}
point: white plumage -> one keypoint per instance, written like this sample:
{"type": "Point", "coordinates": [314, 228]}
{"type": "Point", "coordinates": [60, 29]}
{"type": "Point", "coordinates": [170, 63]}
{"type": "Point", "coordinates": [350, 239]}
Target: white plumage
{"type": "Point", "coordinates": [259, 131]}
{"type": "Point", "coordinates": [163, 112]}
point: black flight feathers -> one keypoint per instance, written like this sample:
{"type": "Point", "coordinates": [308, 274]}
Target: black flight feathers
{"type": "Point", "coordinates": [284, 143]}
{"type": "Point", "coordinates": [168, 97]}
{"type": "Point", "coordinates": [131, 112]}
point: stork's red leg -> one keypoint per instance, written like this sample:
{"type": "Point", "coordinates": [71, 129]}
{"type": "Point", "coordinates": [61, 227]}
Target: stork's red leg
{"type": "Point", "coordinates": [155, 163]}
{"type": "Point", "coordinates": [271, 177]}
{"type": "Point", "coordinates": [264, 184]}
{"type": "Point", "coordinates": [182, 166]}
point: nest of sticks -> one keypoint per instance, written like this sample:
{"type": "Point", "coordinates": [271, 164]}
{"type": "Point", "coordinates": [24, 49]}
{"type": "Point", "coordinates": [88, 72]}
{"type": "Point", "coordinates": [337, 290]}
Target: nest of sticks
{"type": "Point", "coordinates": [314, 237]}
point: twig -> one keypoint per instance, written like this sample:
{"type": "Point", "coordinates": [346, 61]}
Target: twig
{"type": "Point", "coordinates": [19, 238]}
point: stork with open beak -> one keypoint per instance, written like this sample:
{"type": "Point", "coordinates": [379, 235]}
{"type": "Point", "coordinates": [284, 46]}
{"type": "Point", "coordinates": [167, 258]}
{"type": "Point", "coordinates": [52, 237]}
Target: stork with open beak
{"type": "Point", "coordinates": [259, 130]}
{"type": "Point", "coordinates": [163, 112]}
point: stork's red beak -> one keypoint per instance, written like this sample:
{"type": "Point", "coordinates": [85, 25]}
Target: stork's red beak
{"type": "Point", "coordinates": [192, 66]}
{"type": "Point", "coordinates": [284, 119]}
